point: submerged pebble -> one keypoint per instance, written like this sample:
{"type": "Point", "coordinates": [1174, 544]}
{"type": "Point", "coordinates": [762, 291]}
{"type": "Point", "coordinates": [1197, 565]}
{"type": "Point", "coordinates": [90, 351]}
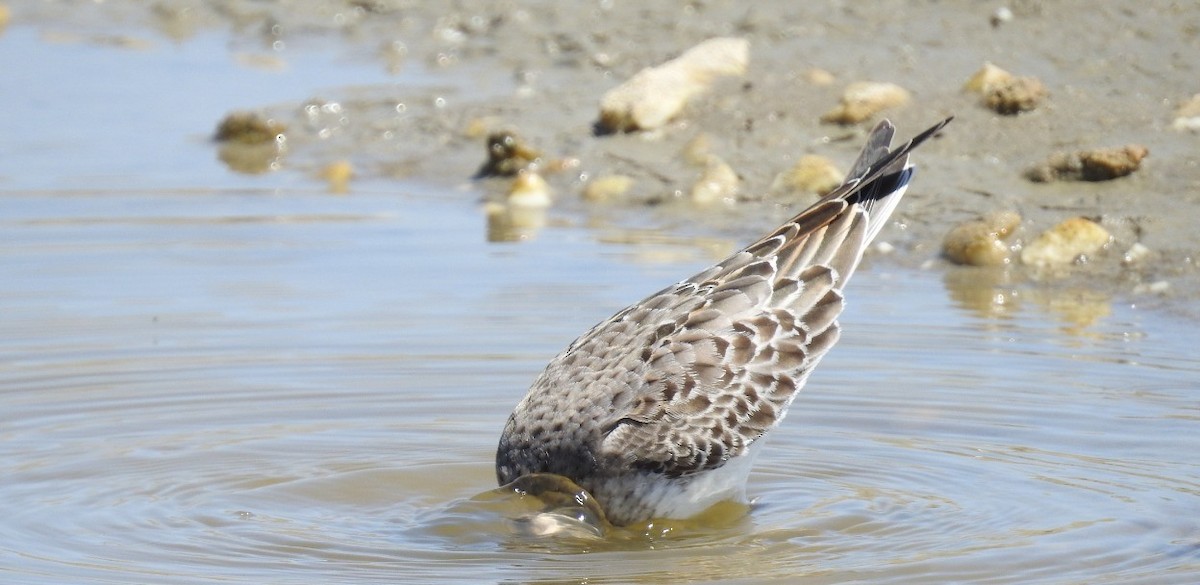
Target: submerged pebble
{"type": "Point", "coordinates": [1072, 240]}
{"type": "Point", "coordinates": [981, 242]}
{"type": "Point", "coordinates": [864, 99]}
{"type": "Point", "coordinates": [654, 96]}
{"type": "Point", "coordinates": [1090, 165]}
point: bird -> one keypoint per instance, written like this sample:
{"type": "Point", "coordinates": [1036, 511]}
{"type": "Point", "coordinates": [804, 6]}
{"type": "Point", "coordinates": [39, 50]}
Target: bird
{"type": "Point", "coordinates": [658, 412]}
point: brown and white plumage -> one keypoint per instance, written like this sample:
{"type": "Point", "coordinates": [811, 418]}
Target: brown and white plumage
{"type": "Point", "coordinates": [658, 410]}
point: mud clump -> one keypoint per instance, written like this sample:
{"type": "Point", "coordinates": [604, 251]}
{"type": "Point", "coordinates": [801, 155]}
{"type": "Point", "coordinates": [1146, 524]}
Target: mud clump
{"type": "Point", "coordinates": [1004, 92]}
{"type": "Point", "coordinates": [1090, 165]}
{"type": "Point", "coordinates": [1019, 94]}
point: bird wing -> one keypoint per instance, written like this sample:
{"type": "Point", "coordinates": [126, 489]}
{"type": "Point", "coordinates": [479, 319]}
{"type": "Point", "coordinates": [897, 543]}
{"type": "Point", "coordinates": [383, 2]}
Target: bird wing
{"type": "Point", "coordinates": [724, 352]}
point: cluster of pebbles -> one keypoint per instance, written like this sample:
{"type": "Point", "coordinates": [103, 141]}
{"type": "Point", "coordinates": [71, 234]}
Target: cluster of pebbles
{"type": "Point", "coordinates": [995, 239]}
{"type": "Point", "coordinates": [655, 96]}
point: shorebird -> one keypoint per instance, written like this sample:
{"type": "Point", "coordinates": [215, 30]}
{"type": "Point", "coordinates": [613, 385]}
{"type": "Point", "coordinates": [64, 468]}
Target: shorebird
{"type": "Point", "coordinates": [659, 411]}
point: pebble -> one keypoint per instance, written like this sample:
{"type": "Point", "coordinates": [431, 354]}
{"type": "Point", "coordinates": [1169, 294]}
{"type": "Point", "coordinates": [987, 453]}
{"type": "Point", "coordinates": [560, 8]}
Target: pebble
{"type": "Point", "coordinates": [986, 78]}
{"type": "Point", "coordinates": [811, 174]}
{"type": "Point", "coordinates": [698, 149]}
{"type": "Point", "coordinates": [654, 96]}
{"type": "Point", "coordinates": [981, 242]}
{"type": "Point", "coordinates": [1002, 15]}
{"type": "Point", "coordinates": [718, 183]}
{"type": "Point", "coordinates": [819, 77]}
{"type": "Point", "coordinates": [1072, 240]}
{"type": "Point", "coordinates": [1136, 253]}
{"type": "Point", "coordinates": [1187, 117]}
{"type": "Point", "coordinates": [864, 99]}
{"type": "Point", "coordinates": [607, 188]}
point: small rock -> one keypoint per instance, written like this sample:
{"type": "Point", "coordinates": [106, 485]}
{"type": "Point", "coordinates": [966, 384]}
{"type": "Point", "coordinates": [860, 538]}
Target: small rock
{"type": "Point", "coordinates": [1136, 253]}
{"type": "Point", "coordinates": [507, 155]}
{"type": "Point", "coordinates": [698, 149]}
{"type": "Point", "coordinates": [655, 95]}
{"type": "Point", "coordinates": [718, 183]}
{"type": "Point", "coordinates": [1001, 16]}
{"type": "Point", "coordinates": [249, 128]}
{"type": "Point", "coordinates": [1187, 117]}
{"type": "Point", "coordinates": [1016, 95]}
{"type": "Point", "coordinates": [864, 99]}
{"type": "Point", "coordinates": [607, 188]}
{"type": "Point", "coordinates": [981, 242]}
{"type": "Point", "coordinates": [988, 77]}
{"type": "Point", "coordinates": [819, 77]}
{"type": "Point", "coordinates": [811, 174]}
{"type": "Point", "coordinates": [1070, 241]}
{"type": "Point", "coordinates": [1090, 165]}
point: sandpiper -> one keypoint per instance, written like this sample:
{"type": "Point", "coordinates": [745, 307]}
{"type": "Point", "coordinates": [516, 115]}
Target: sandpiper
{"type": "Point", "coordinates": [658, 411]}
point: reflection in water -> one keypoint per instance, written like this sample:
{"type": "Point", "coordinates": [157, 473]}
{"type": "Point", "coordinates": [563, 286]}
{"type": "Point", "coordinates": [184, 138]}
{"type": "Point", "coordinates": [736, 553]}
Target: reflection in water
{"type": "Point", "coordinates": [989, 292]}
{"type": "Point", "coordinates": [995, 293]}
{"type": "Point", "coordinates": [251, 159]}
{"type": "Point", "coordinates": [513, 223]}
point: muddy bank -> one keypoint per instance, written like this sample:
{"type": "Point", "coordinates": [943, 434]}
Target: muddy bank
{"type": "Point", "coordinates": [1113, 75]}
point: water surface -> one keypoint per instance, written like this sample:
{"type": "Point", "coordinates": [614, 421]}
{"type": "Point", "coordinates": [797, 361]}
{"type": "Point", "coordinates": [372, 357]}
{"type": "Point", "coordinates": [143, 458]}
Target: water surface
{"type": "Point", "coordinates": [208, 377]}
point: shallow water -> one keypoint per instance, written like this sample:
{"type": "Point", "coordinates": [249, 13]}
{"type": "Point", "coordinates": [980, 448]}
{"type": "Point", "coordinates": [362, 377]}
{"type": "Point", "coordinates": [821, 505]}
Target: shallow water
{"type": "Point", "coordinates": [208, 377]}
